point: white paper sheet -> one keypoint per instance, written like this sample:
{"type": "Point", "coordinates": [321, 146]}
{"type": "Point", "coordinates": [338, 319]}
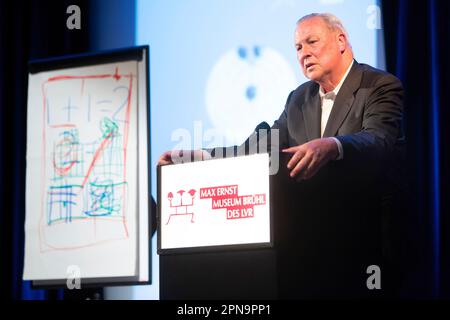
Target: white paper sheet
{"type": "Point", "coordinates": [81, 196]}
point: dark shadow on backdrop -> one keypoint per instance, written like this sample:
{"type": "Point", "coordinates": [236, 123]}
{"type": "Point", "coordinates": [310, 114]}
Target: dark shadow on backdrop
{"type": "Point", "coordinates": [28, 30]}
{"type": "Point", "coordinates": [34, 29]}
{"type": "Point", "coordinates": [417, 51]}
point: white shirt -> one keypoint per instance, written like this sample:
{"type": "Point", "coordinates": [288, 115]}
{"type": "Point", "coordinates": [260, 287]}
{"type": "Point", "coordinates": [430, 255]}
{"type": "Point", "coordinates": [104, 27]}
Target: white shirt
{"type": "Point", "coordinates": [327, 102]}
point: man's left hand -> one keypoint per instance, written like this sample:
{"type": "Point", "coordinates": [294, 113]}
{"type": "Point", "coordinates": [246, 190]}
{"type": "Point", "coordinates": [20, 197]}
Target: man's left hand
{"type": "Point", "coordinates": [309, 157]}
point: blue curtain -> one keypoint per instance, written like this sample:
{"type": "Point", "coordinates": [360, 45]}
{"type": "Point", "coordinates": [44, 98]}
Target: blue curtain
{"type": "Point", "coordinates": [28, 30]}
{"type": "Point", "coordinates": [417, 38]}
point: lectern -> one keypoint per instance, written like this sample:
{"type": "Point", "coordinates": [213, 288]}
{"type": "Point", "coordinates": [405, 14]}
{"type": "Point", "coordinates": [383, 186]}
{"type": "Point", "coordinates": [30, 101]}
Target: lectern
{"type": "Point", "coordinates": [215, 229]}
{"type": "Point", "coordinates": [229, 230]}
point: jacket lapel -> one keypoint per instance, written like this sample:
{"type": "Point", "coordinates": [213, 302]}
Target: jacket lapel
{"type": "Point", "coordinates": [312, 112]}
{"type": "Point", "coordinates": [344, 101]}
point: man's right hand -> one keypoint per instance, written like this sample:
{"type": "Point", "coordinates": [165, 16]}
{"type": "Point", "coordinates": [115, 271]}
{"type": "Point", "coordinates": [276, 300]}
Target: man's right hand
{"type": "Point", "coordinates": [165, 159]}
{"type": "Point", "coordinates": [181, 156]}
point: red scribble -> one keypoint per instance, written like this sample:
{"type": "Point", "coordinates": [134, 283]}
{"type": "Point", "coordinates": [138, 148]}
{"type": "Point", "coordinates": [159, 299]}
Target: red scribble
{"type": "Point", "coordinates": [117, 75]}
{"type": "Point", "coordinates": [99, 76]}
{"type": "Point", "coordinates": [66, 125]}
{"type": "Point", "coordinates": [64, 171]}
{"type": "Point", "coordinates": [125, 138]}
{"type": "Point", "coordinates": [62, 77]}
{"type": "Point", "coordinates": [81, 246]}
{"type": "Point", "coordinates": [97, 154]}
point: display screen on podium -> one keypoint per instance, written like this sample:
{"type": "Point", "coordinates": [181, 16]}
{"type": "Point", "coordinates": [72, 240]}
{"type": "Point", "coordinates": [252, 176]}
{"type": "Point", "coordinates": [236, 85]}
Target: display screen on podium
{"type": "Point", "coordinates": [214, 205]}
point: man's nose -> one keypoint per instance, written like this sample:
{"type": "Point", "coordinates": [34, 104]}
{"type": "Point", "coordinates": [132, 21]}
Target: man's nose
{"type": "Point", "coordinates": [304, 56]}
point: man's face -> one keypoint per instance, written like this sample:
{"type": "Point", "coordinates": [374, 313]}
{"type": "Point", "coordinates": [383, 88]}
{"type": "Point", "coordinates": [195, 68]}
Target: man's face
{"type": "Point", "coordinates": [318, 48]}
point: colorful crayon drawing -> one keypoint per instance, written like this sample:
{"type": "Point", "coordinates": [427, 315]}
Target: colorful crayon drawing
{"type": "Point", "coordinates": [86, 135]}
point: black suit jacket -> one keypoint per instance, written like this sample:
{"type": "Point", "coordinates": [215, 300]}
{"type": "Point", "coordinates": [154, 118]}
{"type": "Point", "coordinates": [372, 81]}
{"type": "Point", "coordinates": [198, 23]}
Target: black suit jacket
{"type": "Point", "coordinates": [366, 114]}
{"type": "Point", "coordinates": [337, 223]}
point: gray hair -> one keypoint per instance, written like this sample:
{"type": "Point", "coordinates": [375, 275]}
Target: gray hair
{"type": "Point", "coordinates": [330, 20]}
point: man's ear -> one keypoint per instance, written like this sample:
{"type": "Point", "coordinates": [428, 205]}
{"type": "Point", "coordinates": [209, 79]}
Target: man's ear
{"type": "Point", "coordinates": [342, 42]}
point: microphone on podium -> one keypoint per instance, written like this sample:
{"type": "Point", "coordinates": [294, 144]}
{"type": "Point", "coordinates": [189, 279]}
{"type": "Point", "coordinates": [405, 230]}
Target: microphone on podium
{"type": "Point", "coordinates": [262, 126]}
{"type": "Point", "coordinates": [262, 130]}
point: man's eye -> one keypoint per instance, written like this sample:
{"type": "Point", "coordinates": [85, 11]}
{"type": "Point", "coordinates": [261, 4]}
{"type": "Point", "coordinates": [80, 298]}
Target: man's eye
{"type": "Point", "coordinates": [299, 48]}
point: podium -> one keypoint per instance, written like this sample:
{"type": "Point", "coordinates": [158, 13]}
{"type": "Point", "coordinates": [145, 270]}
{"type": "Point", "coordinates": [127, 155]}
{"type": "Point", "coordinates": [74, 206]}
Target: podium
{"type": "Point", "coordinates": [325, 233]}
{"type": "Point", "coordinates": [240, 263]}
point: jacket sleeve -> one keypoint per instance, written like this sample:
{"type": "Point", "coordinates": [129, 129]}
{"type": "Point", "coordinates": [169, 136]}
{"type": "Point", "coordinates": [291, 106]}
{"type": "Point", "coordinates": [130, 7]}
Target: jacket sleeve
{"type": "Point", "coordinates": [381, 123]}
{"type": "Point", "coordinates": [281, 125]}
{"type": "Point", "coordinates": [247, 148]}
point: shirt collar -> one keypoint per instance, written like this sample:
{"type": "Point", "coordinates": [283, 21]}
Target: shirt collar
{"type": "Point", "coordinates": [332, 94]}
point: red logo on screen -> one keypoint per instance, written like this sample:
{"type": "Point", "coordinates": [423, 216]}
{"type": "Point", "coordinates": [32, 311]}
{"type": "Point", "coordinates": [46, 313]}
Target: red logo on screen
{"type": "Point", "coordinates": [182, 204]}
{"type": "Point", "coordinates": [222, 197]}
{"type": "Point", "coordinates": [227, 197]}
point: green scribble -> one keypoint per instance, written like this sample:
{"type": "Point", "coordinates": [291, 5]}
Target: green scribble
{"type": "Point", "coordinates": [109, 128]}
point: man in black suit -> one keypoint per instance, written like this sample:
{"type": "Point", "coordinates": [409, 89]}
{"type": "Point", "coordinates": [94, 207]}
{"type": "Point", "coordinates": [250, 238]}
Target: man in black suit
{"type": "Point", "coordinates": [341, 131]}
{"type": "Point", "coordinates": [358, 105]}
{"type": "Point", "coordinates": [339, 135]}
